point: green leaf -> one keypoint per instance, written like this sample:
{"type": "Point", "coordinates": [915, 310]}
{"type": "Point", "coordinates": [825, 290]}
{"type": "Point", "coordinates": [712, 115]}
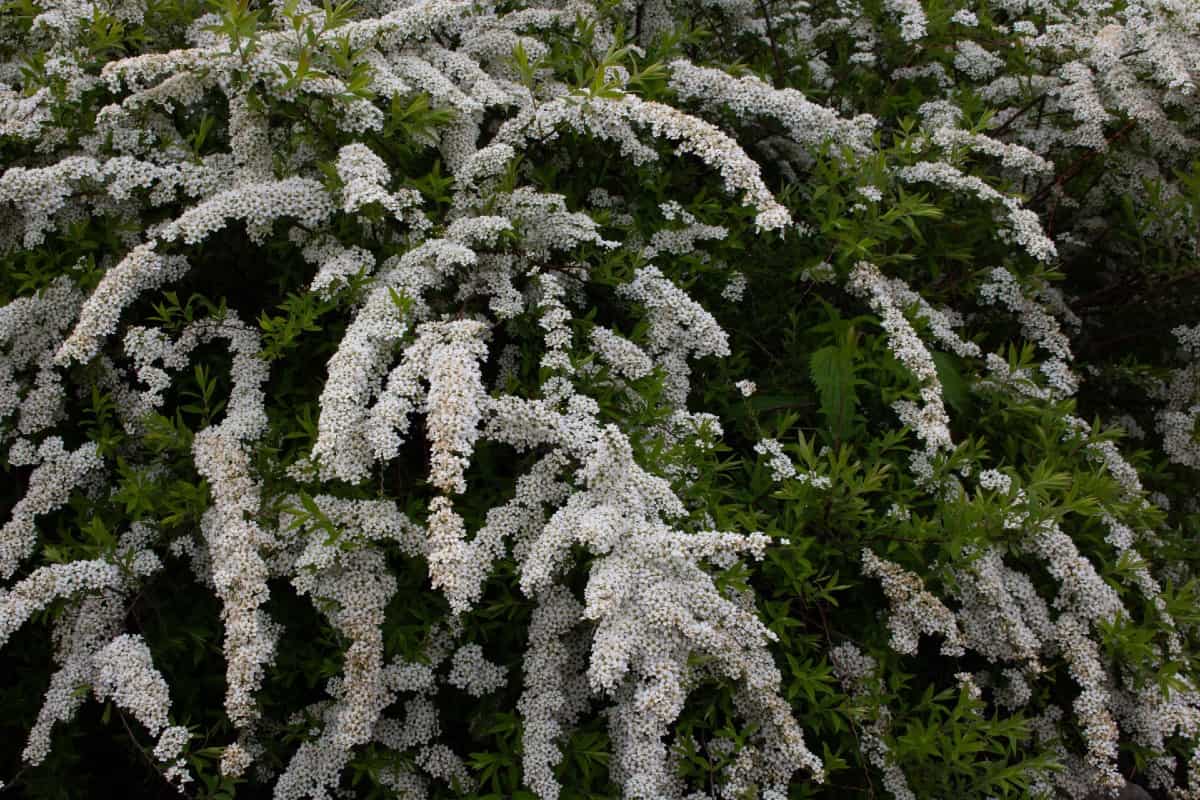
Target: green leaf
{"type": "Point", "coordinates": [954, 388]}
{"type": "Point", "coordinates": [832, 371]}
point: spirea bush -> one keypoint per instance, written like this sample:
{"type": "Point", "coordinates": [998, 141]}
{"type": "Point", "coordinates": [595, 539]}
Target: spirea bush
{"type": "Point", "coordinates": [628, 399]}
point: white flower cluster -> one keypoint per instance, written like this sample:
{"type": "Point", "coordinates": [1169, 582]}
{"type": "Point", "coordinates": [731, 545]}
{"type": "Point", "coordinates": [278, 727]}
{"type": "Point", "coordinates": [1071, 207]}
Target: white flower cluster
{"type": "Point", "coordinates": [614, 119]}
{"type": "Point", "coordinates": [808, 124]}
{"type": "Point", "coordinates": [353, 588]}
{"type": "Point", "coordinates": [365, 176]}
{"type": "Point", "coordinates": [79, 634]}
{"type": "Point", "coordinates": [1001, 615]}
{"type": "Point", "coordinates": [235, 542]}
{"type": "Point", "coordinates": [680, 328]}
{"type": "Point", "coordinates": [40, 193]}
{"type": "Point", "coordinates": [473, 673]}
{"type": "Point", "coordinates": [336, 264]}
{"type": "Point", "coordinates": [556, 691]}
{"type": "Point", "coordinates": [349, 431]}
{"type": "Point", "coordinates": [82, 631]}
{"type": "Point", "coordinates": [858, 673]}
{"type": "Point", "coordinates": [1038, 325]}
{"type": "Point", "coordinates": [58, 473]}
{"type": "Point", "coordinates": [780, 465]}
{"type": "Point", "coordinates": [24, 117]}
{"type": "Point", "coordinates": [735, 289]}
{"type": "Point", "coordinates": [256, 204]}
{"type": "Point", "coordinates": [680, 241]}
{"type": "Point", "coordinates": [929, 420]}
{"type": "Point", "coordinates": [31, 329]}
{"type": "Point", "coordinates": [49, 583]}
{"type": "Point", "coordinates": [125, 673]}
{"type": "Point", "coordinates": [141, 270]}
{"type": "Point", "coordinates": [941, 118]}
{"type": "Point", "coordinates": [965, 17]}
{"type": "Point", "coordinates": [554, 320]}
{"type": "Point", "coordinates": [622, 356]}
{"type": "Point", "coordinates": [912, 18]}
{"type": "Point", "coordinates": [650, 600]}
{"type": "Point", "coordinates": [1085, 600]}
{"type": "Point", "coordinates": [996, 481]}
{"type": "Point", "coordinates": [913, 609]}
{"type": "Point", "coordinates": [975, 61]}
{"type": "Point", "coordinates": [1023, 224]}
{"type": "Point", "coordinates": [1106, 453]}
{"type": "Point", "coordinates": [452, 354]}
{"type": "Point", "coordinates": [1176, 421]}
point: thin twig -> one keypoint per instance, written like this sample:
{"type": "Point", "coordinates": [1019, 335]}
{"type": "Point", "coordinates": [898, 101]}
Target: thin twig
{"type": "Point", "coordinates": [14, 782]}
{"type": "Point", "coordinates": [133, 738]}
{"type": "Point", "coordinates": [853, 727]}
{"type": "Point", "coordinates": [1020, 112]}
{"type": "Point", "coordinates": [779, 73]}
{"type": "Point", "coordinates": [1081, 162]}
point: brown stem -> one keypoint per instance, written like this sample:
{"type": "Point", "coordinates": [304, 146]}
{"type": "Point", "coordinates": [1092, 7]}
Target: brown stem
{"type": "Point", "coordinates": [1020, 113]}
{"type": "Point", "coordinates": [779, 73]}
{"type": "Point", "coordinates": [1105, 345]}
{"type": "Point", "coordinates": [14, 782]}
{"type": "Point", "coordinates": [133, 738]}
{"type": "Point", "coordinates": [1126, 288]}
{"type": "Point", "coordinates": [1081, 162]}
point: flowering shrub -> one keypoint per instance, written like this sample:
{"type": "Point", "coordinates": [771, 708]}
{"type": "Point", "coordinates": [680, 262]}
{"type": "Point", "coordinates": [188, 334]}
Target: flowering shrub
{"type": "Point", "coordinates": [641, 399]}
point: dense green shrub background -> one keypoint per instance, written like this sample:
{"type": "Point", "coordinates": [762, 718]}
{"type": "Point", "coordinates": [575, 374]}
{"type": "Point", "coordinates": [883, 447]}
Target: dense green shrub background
{"type": "Point", "coordinates": [825, 383]}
